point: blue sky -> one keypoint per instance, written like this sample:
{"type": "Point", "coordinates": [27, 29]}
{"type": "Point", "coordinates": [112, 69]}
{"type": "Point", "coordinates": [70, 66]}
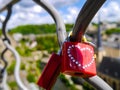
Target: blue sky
{"type": "Point", "coordinates": [28, 12]}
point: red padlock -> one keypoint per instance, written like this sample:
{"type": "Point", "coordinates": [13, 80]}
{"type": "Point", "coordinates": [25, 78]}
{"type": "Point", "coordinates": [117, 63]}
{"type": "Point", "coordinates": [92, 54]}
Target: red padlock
{"type": "Point", "coordinates": [78, 59]}
{"type": "Point", "coordinates": [50, 72]}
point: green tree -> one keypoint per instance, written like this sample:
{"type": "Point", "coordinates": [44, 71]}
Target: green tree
{"type": "Point", "coordinates": [37, 29]}
{"type": "Point", "coordinates": [113, 30]}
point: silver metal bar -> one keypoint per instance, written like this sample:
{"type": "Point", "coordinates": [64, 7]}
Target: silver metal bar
{"type": "Point", "coordinates": [4, 4]}
{"type": "Point", "coordinates": [98, 83]}
{"type": "Point", "coordinates": [4, 60]}
{"type": "Point", "coordinates": [17, 66]}
{"type": "Point", "coordinates": [85, 16]}
{"type": "Point", "coordinates": [6, 42]}
{"type": "Point", "coordinates": [60, 26]}
{"type": "Point", "coordinates": [61, 30]}
{"type": "Point", "coordinates": [3, 80]}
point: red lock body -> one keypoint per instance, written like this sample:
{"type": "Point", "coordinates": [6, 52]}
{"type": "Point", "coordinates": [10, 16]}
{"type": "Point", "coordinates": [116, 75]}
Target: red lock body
{"type": "Point", "coordinates": [78, 59]}
{"type": "Point", "coordinates": [50, 72]}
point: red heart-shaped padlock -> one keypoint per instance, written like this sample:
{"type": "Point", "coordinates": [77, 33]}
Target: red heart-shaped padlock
{"type": "Point", "coordinates": [78, 59]}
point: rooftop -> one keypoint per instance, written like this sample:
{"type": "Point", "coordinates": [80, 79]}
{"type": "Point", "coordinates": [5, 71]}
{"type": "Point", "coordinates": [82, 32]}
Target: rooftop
{"type": "Point", "coordinates": [110, 66]}
{"type": "Point", "coordinates": [111, 44]}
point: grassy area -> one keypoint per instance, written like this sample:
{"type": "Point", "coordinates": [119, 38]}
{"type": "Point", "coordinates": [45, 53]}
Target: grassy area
{"type": "Point", "coordinates": [48, 42]}
{"type": "Point", "coordinates": [10, 69]}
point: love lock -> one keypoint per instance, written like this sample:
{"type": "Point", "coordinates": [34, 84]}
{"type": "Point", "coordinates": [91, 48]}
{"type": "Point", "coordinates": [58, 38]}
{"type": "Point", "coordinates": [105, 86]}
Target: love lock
{"type": "Point", "coordinates": [78, 59]}
{"type": "Point", "coordinates": [50, 72]}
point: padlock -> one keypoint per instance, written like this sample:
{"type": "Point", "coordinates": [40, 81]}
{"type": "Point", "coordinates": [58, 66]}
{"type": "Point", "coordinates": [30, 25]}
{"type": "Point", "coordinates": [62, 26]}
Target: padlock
{"type": "Point", "coordinates": [50, 72]}
{"type": "Point", "coordinates": [78, 59]}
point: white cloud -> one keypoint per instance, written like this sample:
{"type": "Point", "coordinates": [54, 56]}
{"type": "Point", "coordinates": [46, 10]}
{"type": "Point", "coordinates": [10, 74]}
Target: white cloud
{"type": "Point", "coordinates": [71, 16]}
{"type": "Point", "coordinates": [2, 18]}
{"type": "Point", "coordinates": [33, 8]}
{"type": "Point", "coordinates": [61, 3]}
{"type": "Point", "coordinates": [28, 12]}
{"type": "Point", "coordinates": [26, 3]}
{"type": "Point", "coordinates": [110, 12]}
{"type": "Point", "coordinates": [23, 13]}
{"type": "Point", "coordinates": [22, 18]}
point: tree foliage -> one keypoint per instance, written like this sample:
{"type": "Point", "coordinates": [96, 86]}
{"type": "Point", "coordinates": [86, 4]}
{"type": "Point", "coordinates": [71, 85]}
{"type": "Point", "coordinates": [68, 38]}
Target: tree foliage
{"type": "Point", "coordinates": [37, 29]}
{"type": "Point", "coordinates": [48, 43]}
{"type": "Point", "coordinates": [113, 30]}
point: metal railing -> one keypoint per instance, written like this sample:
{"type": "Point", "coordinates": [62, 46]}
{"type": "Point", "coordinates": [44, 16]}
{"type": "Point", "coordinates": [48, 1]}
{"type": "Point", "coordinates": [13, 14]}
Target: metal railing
{"type": "Point", "coordinates": [84, 18]}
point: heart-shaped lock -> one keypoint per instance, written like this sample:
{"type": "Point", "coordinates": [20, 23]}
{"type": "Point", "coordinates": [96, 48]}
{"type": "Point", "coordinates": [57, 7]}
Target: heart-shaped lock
{"type": "Point", "coordinates": [78, 59]}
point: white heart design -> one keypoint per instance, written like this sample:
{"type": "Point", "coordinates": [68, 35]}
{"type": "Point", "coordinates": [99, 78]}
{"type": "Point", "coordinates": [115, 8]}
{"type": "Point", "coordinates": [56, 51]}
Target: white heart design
{"type": "Point", "coordinates": [76, 61]}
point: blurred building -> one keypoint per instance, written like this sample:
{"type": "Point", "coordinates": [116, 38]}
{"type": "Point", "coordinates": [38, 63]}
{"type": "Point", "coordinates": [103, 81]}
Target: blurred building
{"type": "Point", "coordinates": [109, 65]}
{"type": "Point", "coordinates": [109, 70]}
{"type": "Point", "coordinates": [108, 58]}
{"type": "Point", "coordinates": [108, 25]}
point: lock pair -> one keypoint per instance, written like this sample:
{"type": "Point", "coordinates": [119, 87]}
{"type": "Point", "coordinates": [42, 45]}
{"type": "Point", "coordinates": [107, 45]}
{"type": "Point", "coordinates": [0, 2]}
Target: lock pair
{"type": "Point", "coordinates": [77, 59]}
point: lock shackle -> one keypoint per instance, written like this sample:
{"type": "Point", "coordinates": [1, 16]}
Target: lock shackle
{"type": "Point", "coordinates": [60, 26]}
{"type": "Point", "coordinates": [85, 16]}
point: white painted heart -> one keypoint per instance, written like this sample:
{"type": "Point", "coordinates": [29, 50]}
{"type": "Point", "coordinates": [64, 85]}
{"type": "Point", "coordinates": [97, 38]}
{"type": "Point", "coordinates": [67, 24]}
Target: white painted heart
{"type": "Point", "coordinates": [71, 57]}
